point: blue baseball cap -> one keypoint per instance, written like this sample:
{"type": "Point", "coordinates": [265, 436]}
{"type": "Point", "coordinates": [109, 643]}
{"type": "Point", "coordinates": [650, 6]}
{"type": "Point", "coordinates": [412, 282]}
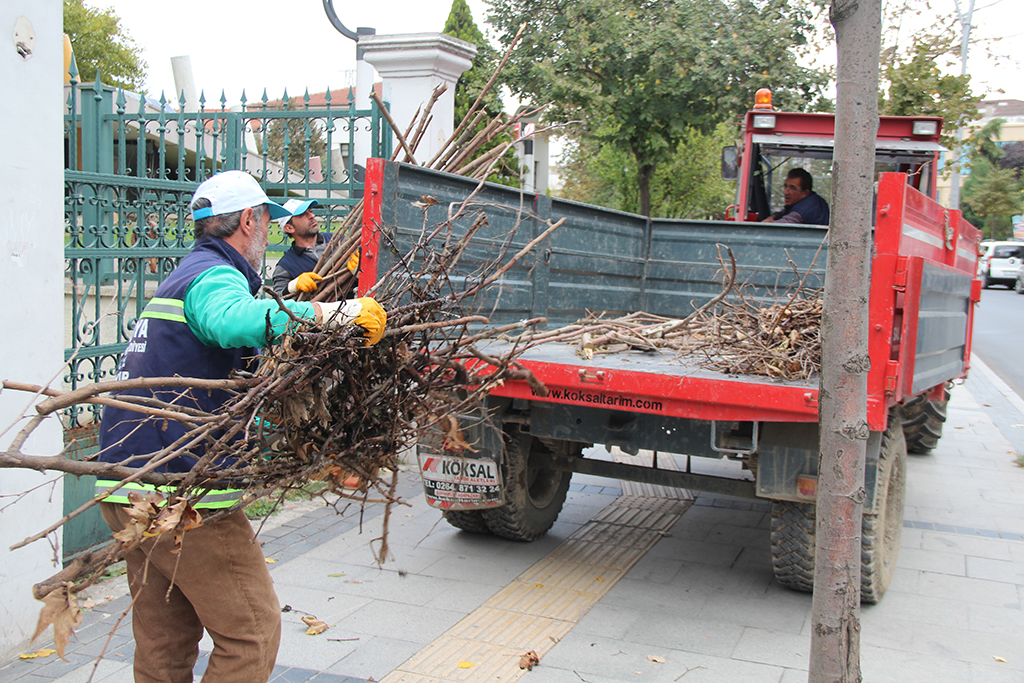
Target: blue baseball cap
{"type": "Point", "coordinates": [295, 207]}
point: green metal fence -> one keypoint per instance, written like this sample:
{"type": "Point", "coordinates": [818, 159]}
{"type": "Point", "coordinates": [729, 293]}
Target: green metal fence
{"type": "Point", "coordinates": [131, 166]}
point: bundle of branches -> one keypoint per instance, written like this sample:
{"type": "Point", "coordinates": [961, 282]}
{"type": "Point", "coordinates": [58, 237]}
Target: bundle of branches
{"type": "Point", "coordinates": [734, 332]}
{"type": "Point", "coordinates": [321, 405]}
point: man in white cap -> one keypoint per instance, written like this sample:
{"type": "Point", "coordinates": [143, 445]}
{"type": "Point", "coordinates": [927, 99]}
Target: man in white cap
{"type": "Point", "coordinates": [295, 271]}
{"type": "Point", "coordinates": [206, 321]}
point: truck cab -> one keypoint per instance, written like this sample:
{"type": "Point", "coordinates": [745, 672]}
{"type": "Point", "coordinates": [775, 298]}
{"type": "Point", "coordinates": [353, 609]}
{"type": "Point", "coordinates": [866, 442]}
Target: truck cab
{"type": "Point", "coordinates": [774, 142]}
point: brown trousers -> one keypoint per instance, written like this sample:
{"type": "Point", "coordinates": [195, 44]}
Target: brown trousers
{"type": "Point", "coordinates": [219, 582]}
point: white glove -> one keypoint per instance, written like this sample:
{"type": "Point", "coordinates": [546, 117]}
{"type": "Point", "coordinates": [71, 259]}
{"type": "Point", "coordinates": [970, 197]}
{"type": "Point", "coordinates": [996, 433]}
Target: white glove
{"type": "Point", "coordinates": [364, 312]}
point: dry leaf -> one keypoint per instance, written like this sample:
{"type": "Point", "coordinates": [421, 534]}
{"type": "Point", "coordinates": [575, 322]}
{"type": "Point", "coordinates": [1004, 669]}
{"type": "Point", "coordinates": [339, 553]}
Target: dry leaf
{"type": "Point", "coordinates": [453, 439]}
{"type": "Point", "coordinates": [999, 659]}
{"type": "Point", "coordinates": [465, 665]}
{"type": "Point", "coordinates": [60, 608]}
{"type": "Point", "coordinates": [270, 560]}
{"type": "Point", "coordinates": [528, 660]}
{"type": "Point", "coordinates": [316, 627]}
{"type": "Point", "coordinates": [88, 603]}
{"type": "Point", "coordinates": [43, 652]}
{"type": "Point", "coordinates": [656, 659]}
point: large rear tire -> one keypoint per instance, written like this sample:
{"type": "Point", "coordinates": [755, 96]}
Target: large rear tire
{"type": "Point", "coordinates": [922, 423]}
{"type": "Point", "coordinates": [470, 521]}
{"type": "Point", "coordinates": [534, 490]}
{"type": "Point", "coordinates": [881, 530]}
{"type": "Point", "coordinates": [793, 527]}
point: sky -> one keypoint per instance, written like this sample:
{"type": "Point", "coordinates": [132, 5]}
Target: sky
{"type": "Point", "coordinates": [274, 44]}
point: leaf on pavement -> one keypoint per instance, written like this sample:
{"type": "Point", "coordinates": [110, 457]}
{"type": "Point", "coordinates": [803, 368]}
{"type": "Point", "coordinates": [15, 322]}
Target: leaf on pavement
{"type": "Point", "coordinates": [316, 627]}
{"type": "Point", "coordinates": [270, 560]}
{"type": "Point", "coordinates": [656, 659]}
{"type": "Point", "coordinates": [465, 665]}
{"type": "Point", "coordinates": [528, 660]}
{"type": "Point", "coordinates": [42, 652]}
{"type": "Point", "coordinates": [60, 608]}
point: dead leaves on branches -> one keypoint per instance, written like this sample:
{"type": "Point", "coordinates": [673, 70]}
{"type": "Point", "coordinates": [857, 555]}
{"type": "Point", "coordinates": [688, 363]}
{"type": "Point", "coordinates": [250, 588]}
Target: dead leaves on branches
{"type": "Point", "coordinates": [60, 608]}
{"type": "Point", "coordinates": [152, 515]}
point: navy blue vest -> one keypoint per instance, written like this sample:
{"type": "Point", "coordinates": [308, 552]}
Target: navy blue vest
{"type": "Point", "coordinates": [296, 263]}
{"type": "Point", "coordinates": [813, 209]}
{"type": "Point", "coordinates": [163, 345]}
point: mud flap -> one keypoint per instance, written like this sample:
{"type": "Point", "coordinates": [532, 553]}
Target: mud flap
{"type": "Point", "coordinates": [460, 467]}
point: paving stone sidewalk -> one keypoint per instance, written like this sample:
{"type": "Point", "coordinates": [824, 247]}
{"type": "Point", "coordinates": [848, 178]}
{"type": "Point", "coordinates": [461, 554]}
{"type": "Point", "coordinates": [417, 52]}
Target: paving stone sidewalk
{"type": "Point", "coordinates": [703, 599]}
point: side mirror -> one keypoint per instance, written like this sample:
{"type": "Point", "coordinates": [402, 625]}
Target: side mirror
{"type": "Point", "coordinates": [730, 163]}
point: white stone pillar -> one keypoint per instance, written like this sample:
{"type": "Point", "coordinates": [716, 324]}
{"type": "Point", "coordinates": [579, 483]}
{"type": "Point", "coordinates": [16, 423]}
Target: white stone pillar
{"type": "Point", "coordinates": [412, 65]}
{"type": "Point", "coordinates": [32, 273]}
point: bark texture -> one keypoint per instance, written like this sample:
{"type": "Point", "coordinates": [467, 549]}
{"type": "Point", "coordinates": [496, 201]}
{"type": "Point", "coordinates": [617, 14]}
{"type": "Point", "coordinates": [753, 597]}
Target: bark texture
{"type": "Point", "coordinates": [835, 639]}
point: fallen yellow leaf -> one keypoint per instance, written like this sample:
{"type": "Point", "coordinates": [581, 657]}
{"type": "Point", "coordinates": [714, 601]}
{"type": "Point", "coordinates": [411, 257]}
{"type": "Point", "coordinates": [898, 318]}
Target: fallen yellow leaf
{"type": "Point", "coordinates": [465, 665]}
{"type": "Point", "coordinates": [270, 560]}
{"type": "Point", "coordinates": [316, 627]}
{"type": "Point", "coordinates": [42, 652]}
{"type": "Point", "coordinates": [600, 579]}
{"type": "Point", "coordinates": [999, 659]}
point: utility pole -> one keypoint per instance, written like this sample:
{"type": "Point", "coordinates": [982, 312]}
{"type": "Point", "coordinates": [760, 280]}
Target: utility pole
{"type": "Point", "coordinates": [843, 426]}
{"type": "Point", "coordinates": [965, 41]}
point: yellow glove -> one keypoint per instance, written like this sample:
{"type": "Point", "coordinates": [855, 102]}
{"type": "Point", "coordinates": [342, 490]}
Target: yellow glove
{"type": "Point", "coordinates": [304, 283]}
{"type": "Point", "coordinates": [364, 312]}
{"type": "Point", "coordinates": [353, 261]}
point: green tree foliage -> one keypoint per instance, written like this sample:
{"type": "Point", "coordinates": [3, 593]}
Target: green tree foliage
{"type": "Point", "coordinates": [915, 72]}
{"type": "Point", "coordinates": [471, 83]}
{"type": "Point", "coordinates": [302, 138]}
{"type": "Point", "coordinates": [642, 73]}
{"type": "Point", "coordinates": [688, 185]}
{"type": "Point", "coordinates": [103, 47]}
{"type": "Point", "coordinates": [991, 195]}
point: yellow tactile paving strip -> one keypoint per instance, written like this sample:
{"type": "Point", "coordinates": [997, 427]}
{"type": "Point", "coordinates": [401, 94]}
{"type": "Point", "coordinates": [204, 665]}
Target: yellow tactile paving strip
{"type": "Point", "coordinates": [543, 603]}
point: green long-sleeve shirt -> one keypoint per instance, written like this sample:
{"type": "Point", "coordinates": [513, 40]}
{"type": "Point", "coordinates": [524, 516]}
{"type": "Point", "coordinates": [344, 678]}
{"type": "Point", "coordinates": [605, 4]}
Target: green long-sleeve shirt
{"type": "Point", "coordinates": [221, 311]}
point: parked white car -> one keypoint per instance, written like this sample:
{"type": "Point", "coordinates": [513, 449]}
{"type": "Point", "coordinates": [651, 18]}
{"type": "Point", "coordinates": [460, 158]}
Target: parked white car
{"type": "Point", "coordinates": [1000, 263]}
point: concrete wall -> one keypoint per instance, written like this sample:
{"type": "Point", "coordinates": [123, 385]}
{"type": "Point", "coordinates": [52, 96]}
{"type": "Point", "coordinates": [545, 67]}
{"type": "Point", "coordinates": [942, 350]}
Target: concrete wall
{"type": "Point", "coordinates": [31, 270]}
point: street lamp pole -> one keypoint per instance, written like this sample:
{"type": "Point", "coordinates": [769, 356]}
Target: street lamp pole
{"type": "Point", "coordinates": [965, 40]}
{"type": "Point", "coordinates": [364, 86]}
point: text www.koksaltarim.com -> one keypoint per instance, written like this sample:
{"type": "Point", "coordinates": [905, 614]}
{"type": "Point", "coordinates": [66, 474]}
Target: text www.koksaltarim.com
{"type": "Point", "coordinates": [602, 399]}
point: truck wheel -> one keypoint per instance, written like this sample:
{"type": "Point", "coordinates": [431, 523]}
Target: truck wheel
{"type": "Point", "coordinates": [792, 528]}
{"type": "Point", "coordinates": [922, 423]}
{"type": "Point", "coordinates": [881, 530]}
{"type": "Point", "coordinates": [471, 521]}
{"type": "Point", "coordinates": [534, 489]}
{"type": "Point", "coordinates": [793, 544]}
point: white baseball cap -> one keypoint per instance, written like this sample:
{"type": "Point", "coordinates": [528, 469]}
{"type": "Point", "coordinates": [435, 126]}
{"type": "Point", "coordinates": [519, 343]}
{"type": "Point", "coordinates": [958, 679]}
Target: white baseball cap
{"type": "Point", "coordinates": [232, 191]}
{"type": "Point", "coordinates": [296, 207]}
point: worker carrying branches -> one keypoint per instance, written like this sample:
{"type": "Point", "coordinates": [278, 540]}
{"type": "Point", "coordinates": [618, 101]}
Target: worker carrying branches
{"type": "Point", "coordinates": [205, 321]}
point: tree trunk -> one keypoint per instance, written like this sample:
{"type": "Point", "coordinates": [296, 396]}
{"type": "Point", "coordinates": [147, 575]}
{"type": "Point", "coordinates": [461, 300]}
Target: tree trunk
{"type": "Point", "coordinates": [835, 635]}
{"type": "Point", "coordinates": [644, 174]}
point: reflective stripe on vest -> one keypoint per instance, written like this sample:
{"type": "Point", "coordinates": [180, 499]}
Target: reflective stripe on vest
{"type": "Point", "coordinates": [165, 309]}
{"type": "Point", "coordinates": [214, 498]}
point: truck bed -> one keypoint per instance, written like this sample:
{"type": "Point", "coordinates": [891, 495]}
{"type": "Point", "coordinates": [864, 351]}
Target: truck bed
{"type": "Point", "coordinates": [921, 289]}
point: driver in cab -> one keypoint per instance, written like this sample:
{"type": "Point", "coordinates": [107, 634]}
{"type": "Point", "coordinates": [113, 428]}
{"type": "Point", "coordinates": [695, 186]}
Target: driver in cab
{"type": "Point", "coordinates": [802, 203]}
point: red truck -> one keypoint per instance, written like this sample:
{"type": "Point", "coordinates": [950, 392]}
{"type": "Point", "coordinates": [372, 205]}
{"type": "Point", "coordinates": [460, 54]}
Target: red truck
{"type": "Point", "coordinates": [922, 292]}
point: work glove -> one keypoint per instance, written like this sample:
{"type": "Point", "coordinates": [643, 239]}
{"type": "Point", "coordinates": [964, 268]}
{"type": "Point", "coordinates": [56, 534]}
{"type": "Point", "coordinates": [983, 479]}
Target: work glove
{"type": "Point", "coordinates": [304, 283]}
{"type": "Point", "coordinates": [353, 262]}
{"type": "Point", "coordinates": [364, 312]}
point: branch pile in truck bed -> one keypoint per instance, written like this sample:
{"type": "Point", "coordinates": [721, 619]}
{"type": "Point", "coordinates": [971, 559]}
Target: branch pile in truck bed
{"type": "Point", "coordinates": [732, 333]}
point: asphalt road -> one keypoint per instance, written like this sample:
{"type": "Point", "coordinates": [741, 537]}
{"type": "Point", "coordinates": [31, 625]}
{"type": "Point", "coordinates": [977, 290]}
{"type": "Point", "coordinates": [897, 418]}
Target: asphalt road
{"type": "Point", "coordinates": [998, 332]}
